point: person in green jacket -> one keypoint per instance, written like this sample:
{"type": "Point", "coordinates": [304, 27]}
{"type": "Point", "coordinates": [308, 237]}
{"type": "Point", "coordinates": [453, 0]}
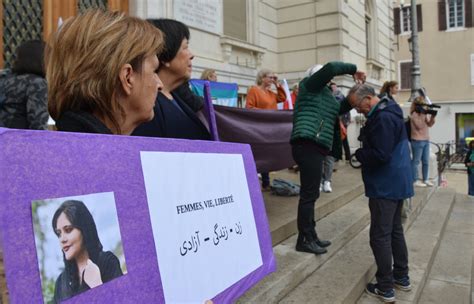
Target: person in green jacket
{"type": "Point", "coordinates": [315, 114]}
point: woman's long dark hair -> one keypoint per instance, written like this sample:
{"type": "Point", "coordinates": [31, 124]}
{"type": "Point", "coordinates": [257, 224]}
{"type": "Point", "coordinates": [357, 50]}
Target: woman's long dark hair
{"type": "Point", "coordinates": [80, 218]}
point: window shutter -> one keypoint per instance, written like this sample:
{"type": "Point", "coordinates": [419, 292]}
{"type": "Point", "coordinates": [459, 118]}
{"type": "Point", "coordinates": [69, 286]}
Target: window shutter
{"type": "Point", "coordinates": [396, 20]}
{"type": "Point", "coordinates": [405, 75]}
{"type": "Point", "coordinates": [419, 18]}
{"type": "Point", "coordinates": [442, 15]}
{"type": "Point", "coordinates": [468, 13]}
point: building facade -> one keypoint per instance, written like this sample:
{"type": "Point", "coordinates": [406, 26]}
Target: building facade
{"type": "Point", "coordinates": [237, 38]}
{"type": "Point", "coordinates": [446, 47]}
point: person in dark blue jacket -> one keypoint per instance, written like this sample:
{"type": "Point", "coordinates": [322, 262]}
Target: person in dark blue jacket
{"type": "Point", "coordinates": [386, 171]}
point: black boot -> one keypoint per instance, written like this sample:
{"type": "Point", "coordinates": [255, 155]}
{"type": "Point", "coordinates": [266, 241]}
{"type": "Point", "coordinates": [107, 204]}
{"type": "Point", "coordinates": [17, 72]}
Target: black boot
{"type": "Point", "coordinates": [321, 243]}
{"type": "Point", "coordinates": [304, 244]}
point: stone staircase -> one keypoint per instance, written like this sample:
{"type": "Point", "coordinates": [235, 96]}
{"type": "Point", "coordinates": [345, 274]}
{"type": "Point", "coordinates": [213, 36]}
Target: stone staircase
{"type": "Point", "coordinates": [439, 230]}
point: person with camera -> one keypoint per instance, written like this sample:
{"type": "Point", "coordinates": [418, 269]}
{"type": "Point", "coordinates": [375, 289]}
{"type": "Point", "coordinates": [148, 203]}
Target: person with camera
{"type": "Point", "coordinates": [422, 117]}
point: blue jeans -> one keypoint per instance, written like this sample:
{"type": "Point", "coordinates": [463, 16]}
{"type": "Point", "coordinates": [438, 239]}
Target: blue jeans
{"type": "Point", "coordinates": [421, 152]}
{"type": "Point", "coordinates": [328, 166]}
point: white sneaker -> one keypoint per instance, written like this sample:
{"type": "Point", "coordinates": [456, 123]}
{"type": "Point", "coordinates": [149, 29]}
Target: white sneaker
{"type": "Point", "coordinates": [327, 186]}
{"type": "Point", "coordinates": [419, 183]}
{"type": "Point", "coordinates": [428, 183]}
{"type": "Point", "coordinates": [320, 187]}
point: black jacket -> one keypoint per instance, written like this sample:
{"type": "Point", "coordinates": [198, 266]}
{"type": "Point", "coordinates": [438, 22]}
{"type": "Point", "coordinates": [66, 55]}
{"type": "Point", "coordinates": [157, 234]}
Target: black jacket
{"type": "Point", "coordinates": [82, 122]}
{"type": "Point", "coordinates": [173, 119]}
{"type": "Point", "coordinates": [195, 102]}
{"type": "Point", "coordinates": [109, 266]}
{"type": "Point", "coordinates": [23, 102]}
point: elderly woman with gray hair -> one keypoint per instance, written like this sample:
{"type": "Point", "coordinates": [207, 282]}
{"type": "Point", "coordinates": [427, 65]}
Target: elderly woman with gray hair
{"type": "Point", "coordinates": [316, 111]}
{"type": "Point", "coordinates": [261, 96]}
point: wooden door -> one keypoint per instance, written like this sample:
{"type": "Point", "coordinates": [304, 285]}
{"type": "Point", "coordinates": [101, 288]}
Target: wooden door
{"type": "Point", "coordinates": [55, 9]}
{"type": "Point", "coordinates": [118, 5]}
{"type": "Point", "coordinates": [52, 11]}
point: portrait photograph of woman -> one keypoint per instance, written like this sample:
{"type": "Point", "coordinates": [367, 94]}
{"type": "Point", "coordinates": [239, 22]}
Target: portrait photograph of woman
{"type": "Point", "coordinates": [78, 244]}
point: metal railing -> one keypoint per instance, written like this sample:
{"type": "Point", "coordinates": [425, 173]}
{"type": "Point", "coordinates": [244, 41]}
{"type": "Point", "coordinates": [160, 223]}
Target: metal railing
{"type": "Point", "coordinates": [448, 154]}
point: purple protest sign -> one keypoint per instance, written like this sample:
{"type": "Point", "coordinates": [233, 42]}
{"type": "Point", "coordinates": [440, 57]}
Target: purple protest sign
{"type": "Point", "coordinates": [41, 165]}
{"type": "Point", "coordinates": [209, 110]}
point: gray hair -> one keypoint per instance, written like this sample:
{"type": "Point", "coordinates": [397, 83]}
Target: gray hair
{"type": "Point", "coordinates": [261, 74]}
{"type": "Point", "coordinates": [313, 69]}
{"type": "Point", "coordinates": [361, 90]}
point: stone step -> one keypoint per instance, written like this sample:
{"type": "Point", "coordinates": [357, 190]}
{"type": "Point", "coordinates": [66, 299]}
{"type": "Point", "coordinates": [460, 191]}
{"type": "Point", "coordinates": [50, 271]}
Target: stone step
{"type": "Point", "coordinates": [343, 277]}
{"type": "Point", "coordinates": [293, 267]}
{"type": "Point", "coordinates": [423, 240]}
{"type": "Point", "coordinates": [451, 274]}
{"type": "Point", "coordinates": [281, 211]}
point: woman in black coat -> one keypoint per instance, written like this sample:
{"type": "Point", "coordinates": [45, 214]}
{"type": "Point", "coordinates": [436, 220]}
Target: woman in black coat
{"type": "Point", "coordinates": [23, 93]}
{"type": "Point", "coordinates": [174, 117]}
{"type": "Point", "coordinates": [102, 73]}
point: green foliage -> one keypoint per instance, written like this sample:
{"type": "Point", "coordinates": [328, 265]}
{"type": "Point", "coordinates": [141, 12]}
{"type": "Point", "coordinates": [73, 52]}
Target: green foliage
{"type": "Point", "coordinates": [48, 290]}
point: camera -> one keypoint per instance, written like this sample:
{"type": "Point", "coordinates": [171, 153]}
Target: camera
{"type": "Point", "coordinates": [423, 104]}
{"type": "Point", "coordinates": [427, 109]}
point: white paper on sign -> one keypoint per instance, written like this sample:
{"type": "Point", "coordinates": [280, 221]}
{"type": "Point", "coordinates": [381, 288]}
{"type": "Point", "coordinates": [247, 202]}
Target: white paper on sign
{"type": "Point", "coordinates": [203, 222]}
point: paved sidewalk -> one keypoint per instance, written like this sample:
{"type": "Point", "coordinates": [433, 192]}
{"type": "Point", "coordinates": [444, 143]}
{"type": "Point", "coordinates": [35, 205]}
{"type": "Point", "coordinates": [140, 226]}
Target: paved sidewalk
{"type": "Point", "coordinates": [457, 179]}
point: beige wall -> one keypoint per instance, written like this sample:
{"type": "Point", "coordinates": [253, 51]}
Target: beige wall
{"type": "Point", "coordinates": [444, 58]}
{"type": "Point", "coordinates": [445, 70]}
{"type": "Point", "coordinates": [310, 32]}
{"type": "Point", "coordinates": [288, 36]}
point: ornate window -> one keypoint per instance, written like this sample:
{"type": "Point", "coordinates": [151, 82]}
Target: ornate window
{"type": "Point", "coordinates": [22, 21]}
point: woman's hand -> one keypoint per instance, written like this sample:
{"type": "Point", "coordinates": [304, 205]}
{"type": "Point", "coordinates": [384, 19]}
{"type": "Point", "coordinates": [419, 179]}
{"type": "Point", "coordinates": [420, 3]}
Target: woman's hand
{"type": "Point", "coordinates": [275, 81]}
{"type": "Point", "coordinates": [359, 77]}
{"type": "Point", "coordinates": [92, 274]}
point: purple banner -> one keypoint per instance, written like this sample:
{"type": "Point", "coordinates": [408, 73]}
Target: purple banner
{"type": "Point", "coordinates": [267, 131]}
{"type": "Point", "coordinates": [36, 165]}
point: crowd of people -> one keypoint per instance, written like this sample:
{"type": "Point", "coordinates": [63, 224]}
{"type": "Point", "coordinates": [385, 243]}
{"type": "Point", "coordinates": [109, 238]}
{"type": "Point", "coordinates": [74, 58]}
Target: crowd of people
{"type": "Point", "coordinates": [108, 73]}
